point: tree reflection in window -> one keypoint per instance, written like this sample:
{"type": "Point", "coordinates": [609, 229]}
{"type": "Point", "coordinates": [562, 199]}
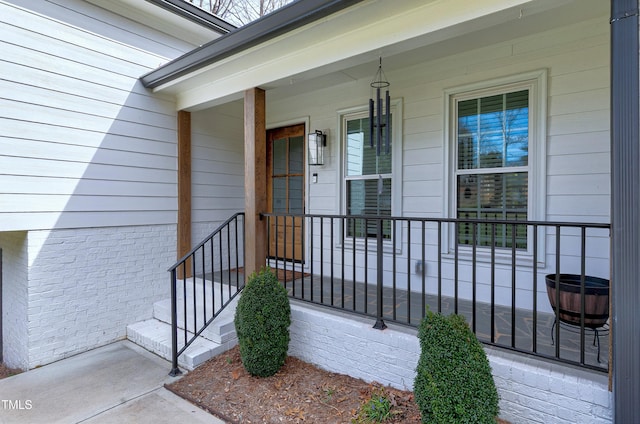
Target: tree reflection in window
{"type": "Point", "coordinates": [492, 167]}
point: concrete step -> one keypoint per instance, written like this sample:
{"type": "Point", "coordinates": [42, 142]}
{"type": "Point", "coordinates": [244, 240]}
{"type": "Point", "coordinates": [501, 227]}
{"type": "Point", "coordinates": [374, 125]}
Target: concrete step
{"type": "Point", "coordinates": [221, 330]}
{"type": "Point", "coordinates": [203, 297]}
{"type": "Point", "coordinates": [155, 336]}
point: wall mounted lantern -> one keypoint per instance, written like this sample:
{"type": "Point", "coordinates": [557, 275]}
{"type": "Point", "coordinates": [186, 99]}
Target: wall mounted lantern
{"type": "Point", "coordinates": [316, 141]}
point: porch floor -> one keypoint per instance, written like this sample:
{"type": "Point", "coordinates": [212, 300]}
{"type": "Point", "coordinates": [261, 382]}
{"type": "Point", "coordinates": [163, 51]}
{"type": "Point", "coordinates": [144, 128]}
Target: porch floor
{"type": "Point", "coordinates": [408, 308]}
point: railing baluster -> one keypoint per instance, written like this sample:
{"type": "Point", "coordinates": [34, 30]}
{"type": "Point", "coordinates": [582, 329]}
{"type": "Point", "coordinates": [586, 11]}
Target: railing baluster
{"type": "Point", "coordinates": [557, 292]}
{"type": "Point", "coordinates": [184, 301]}
{"type": "Point", "coordinates": [394, 268]}
{"type": "Point", "coordinates": [534, 340]}
{"type": "Point", "coordinates": [493, 283]}
{"type": "Point", "coordinates": [583, 253]}
{"type": "Point", "coordinates": [474, 275]}
{"type": "Point", "coordinates": [284, 255]}
{"type": "Point", "coordinates": [193, 280]}
{"type": "Point", "coordinates": [424, 269]}
{"type": "Point", "coordinates": [213, 286]}
{"type": "Point", "coordinates": [321, 260]}
{"type": "Point", "coordinates": [312, 261]}
{"type": "Point", "coordinates": [174, 326]}
{"type": "Point", "coordinates": [408, 269]}
{"type": "Point", "coordinates": [379, 325]}
{"type": "Point", "coordinates": [342, 243]}
{"type": "Point", "coordinates": [331, 260]}
{"type": "Point", "coordinates": [455, 269]}
{"type": "Point", "coordinates": [513, 285]}
{"type": "Point", "coordinates": [204, 289]}
{"type": "Point", "coordinates": [228, 256]}
{"type": "Point", "coordinates": [237, 263]}
{"type": "Point", "coordinates": [439, 267]}
{"type": "Point", "coordinates": [366, 265]}
{"type": "Point", "coordinates": [353, 283]}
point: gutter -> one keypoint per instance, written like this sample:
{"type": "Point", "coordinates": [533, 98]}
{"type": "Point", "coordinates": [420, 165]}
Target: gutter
{"type": "Point", "coordinates": [281, 21]}
{"type": "Point", "coordinates": [195, 14]}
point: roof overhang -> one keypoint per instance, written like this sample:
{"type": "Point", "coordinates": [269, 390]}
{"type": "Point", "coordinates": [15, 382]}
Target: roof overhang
{"type": "Point", "coordinates": [195, 14]}
{"type": "Point", "coordinates": [312, 39]}
{"type": "Point", "coordinates": [174, 17]}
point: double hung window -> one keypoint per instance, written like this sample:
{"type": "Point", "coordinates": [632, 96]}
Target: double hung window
{"type": "Point", "coordinates": [493, 174]}
{"type": "Point", "coordinates": [370, 188]}
{"type": "Point", "coordinates": [367, 180]}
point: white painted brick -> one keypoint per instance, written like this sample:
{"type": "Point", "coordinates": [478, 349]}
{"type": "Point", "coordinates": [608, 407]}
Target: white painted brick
{"type": "Point", "coordinates": [14, 299]}
{"type": "Point", "coordinates": [86, 285]}
{"type": "Point", "coordinates": [346, 344]}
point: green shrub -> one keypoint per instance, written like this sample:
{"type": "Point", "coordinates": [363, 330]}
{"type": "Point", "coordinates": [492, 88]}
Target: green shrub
{"type": "Point", "coordinates": [453, 382]}
{"type": "Point", "coordinates": [262, 322]}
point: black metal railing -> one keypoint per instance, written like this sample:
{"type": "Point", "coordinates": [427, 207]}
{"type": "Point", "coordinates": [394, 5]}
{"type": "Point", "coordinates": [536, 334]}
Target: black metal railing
{"type": "Point", "coordinates": [204, 282]}
{"type": "Point", "coordinates": [417, 263]}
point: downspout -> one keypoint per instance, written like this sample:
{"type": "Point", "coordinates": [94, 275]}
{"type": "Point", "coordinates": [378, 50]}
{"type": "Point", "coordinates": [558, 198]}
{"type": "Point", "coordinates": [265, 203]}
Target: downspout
{"type": "Point", "coordinates": [625, 207]}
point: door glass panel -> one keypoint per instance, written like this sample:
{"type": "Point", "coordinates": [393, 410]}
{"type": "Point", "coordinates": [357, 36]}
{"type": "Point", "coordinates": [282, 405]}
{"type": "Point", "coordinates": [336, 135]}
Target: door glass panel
{"type": "Point", "coordinates": [280, 156]}
{"type": "Point", "coordinates": [295, 195]}
{"type": "Point", "coordinates": [296, 155]}
{"type": "Point", "coordinates": [279, 195]}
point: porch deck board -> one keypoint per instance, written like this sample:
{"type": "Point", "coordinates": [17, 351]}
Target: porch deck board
{"type": "Point", "coordinates": [408, 309]}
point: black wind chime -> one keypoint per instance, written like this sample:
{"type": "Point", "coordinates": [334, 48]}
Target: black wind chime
{"type": "Point", "coordinates": [379, 124]}
{"type": "Point", "coordinates": [379, 119]}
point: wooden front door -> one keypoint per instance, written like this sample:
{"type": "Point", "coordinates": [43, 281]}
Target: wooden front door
{"type": "Point", "coordinates": [285, 189]}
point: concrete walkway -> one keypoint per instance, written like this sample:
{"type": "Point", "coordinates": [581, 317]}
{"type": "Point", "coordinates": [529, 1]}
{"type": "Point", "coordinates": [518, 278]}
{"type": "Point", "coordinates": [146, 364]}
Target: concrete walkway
{"type": "Point", "coordinates": [118, 383]}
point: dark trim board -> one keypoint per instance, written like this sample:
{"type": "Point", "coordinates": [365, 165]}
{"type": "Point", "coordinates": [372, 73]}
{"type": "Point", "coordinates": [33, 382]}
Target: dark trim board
{"type": "Point", "coordinates": [625, 204]}
{"type": "Point", "coordinates": [286, 19]}
{"type": "Point", "coordinates": [195, 14]}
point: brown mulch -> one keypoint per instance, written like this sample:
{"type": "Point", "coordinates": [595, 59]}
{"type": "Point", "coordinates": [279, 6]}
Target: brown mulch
{"type": "Point", "coordinates": [298, 393]}
{"type": "Point", "coordinates": [7, 372]}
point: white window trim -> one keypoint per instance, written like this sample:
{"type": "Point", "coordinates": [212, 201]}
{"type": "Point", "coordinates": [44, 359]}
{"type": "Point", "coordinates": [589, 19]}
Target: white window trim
{"type": "Point", "coordinates": [396, 172]}
{"type": "Point", "coordinates": [536, 82]}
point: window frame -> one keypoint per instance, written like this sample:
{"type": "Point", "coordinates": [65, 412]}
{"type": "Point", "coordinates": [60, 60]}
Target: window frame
{"type": "Point", "coordinates": [536, 83]}
{"type": "Point", "coordinates": [359, 112]}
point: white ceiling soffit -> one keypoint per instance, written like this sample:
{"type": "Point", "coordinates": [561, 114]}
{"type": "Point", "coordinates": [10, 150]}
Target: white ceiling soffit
{"type": "Point", "coordinates": [334, 49]}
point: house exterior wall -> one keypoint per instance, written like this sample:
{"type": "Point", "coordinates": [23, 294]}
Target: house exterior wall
{"type": "Point", "coordinates": [576, 168]}
{"type": "Point", "coordinates": [530, 390]}
{"type": "Point", "coordinates": [88, 171]}
{"type": "Point", "coordinates": [85, 285]}
{"type": "Point", "coordinates": [217, 167]}
{"type": "Point", "coordinates": [83, 143]}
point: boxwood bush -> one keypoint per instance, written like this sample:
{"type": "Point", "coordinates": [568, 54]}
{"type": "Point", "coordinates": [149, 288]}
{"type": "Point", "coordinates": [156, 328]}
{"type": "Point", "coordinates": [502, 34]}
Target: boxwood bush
{"type": "Point", "coordinates": [453, 382]}
{"type": "Point", "coordinates": [262, 320]}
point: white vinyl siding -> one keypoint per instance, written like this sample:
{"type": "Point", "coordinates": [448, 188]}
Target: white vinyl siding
{"type": "Point", "coordinates": [217, 186]}
{"type": "Point", "coordinates": [83, 144]}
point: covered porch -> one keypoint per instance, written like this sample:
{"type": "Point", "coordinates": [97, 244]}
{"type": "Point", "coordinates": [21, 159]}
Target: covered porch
{"type": "Point", "coordinates": [302, 69]}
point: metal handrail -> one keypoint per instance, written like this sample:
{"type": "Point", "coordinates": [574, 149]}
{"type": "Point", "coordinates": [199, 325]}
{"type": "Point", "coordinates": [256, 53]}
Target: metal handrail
{"type": "Point", "coordinates": [206, 258]}
{"type": "Point", "coordinates": [481, 281]}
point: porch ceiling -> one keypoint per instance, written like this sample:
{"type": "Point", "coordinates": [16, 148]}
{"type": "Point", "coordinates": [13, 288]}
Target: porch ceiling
{"type": "Point", "coordinates": [346, 45]}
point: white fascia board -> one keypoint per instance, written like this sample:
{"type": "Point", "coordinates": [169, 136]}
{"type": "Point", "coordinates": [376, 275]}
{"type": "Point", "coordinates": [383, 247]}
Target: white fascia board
{"type": "Point", "coordinates": [367, 28]}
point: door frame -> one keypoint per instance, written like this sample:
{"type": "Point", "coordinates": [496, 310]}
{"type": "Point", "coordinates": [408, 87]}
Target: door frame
{"type": "Point", "coordinates": [289, 127]}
